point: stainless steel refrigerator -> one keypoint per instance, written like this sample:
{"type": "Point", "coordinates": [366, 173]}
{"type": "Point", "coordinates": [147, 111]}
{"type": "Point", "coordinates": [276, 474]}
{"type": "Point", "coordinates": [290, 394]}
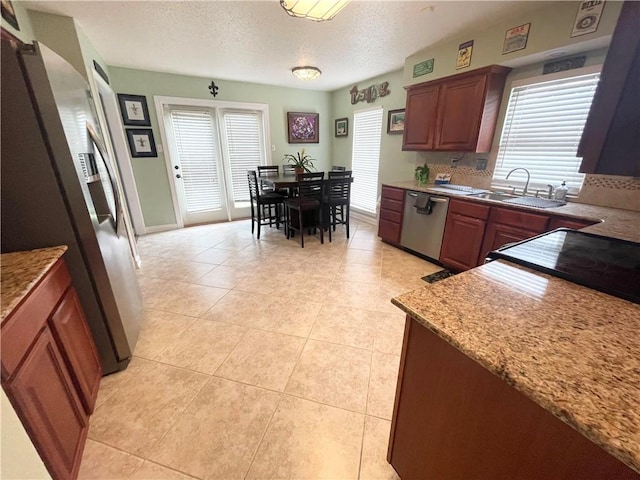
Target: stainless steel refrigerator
{"type": "Point", "coordinates": [58, 187]}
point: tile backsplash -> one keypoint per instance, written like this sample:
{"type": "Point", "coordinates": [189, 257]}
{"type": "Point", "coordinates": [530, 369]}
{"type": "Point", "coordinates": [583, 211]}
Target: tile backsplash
{"type": "Point", "coordinates": [604, 190]}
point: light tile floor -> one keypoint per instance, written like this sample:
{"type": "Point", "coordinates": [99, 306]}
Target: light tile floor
{"type": "Point", "coordinates": [257, 359]}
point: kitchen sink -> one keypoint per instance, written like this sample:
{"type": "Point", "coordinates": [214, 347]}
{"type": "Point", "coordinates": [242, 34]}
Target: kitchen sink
{"type": "Point", "coordinates": [494, 196]}
{"type": "Point", "coordinates": [519, 200]}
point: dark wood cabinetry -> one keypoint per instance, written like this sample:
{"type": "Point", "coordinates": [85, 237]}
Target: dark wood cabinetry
{"type": "Point", "coordinates": [51, 371]}
{"type": "Point", "coordinates": [391, 210]}
{"type": "Point", "coordinates": [463, 234]}
{"type": "Point", "coordinates": [456, 113]}
{"type": "Point", "coordinates": [508, 226]}
{"type": "Point", "coordinates": [473, 230]}
{"type": "Point", "coordinates": [453, 418]}
{"type": "Point", "coordinates": [611, 138]}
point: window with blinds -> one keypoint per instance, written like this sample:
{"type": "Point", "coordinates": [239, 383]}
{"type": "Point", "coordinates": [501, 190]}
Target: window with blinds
{"type": "Point", "coordinates": [542, 130]}
{"type": "Point", "coordinates": [367, 131]}
{"type": "Point", "coordinates": [197, 150]}
{"type": "Point", "coordinates": [242, 131]}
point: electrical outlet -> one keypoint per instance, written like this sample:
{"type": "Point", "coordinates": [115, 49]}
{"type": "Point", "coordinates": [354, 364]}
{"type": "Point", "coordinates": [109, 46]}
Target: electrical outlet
{"type": "Point", "coordinates": [481, 164]}
{"type": "Point", "coordinates": [273, 148]}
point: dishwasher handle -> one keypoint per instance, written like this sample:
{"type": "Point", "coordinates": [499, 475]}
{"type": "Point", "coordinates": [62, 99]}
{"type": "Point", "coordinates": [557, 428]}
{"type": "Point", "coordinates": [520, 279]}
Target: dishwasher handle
{"type": "Point", "coordinates": [432, 199]}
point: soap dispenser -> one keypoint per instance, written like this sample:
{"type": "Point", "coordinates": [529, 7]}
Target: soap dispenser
{"type": "Point", "coordinates": [561, 192]}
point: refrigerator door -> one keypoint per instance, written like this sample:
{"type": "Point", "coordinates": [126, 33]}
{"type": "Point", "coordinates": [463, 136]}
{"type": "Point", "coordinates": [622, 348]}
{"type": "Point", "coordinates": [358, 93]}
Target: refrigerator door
{"type": "Point", "coordinates": [111, 264]}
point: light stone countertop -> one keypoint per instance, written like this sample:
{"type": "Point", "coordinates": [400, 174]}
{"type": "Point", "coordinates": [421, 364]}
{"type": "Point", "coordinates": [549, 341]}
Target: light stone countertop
{"type": "Point", "coordinates": [571, 349]}
{"type": "Point", "coordinates": [614, 222]}
{"type": "Point", "coordinates": [20, 272]}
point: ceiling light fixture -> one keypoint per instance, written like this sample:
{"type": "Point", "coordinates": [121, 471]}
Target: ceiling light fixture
{"type": "Point", "coordinates": [306, 73]}
{"type": "Point", "coordinates": [316, 10]}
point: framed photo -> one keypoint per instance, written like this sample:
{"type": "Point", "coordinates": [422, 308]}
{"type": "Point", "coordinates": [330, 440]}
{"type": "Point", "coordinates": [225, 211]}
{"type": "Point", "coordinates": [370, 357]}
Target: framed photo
{"type": "Point", "coordinates": [9, 14]}
{"type": "Point", "coordinates": [342, 127]}
{"type": "Point", "coordinates": [395, 122]}
{"type": "Point", "coordinates": [303, 127]}
{"type": "Point", "coordinates": [141, 142]}
{"type": "Point", "coordinates": [134, 110]}
{"type": "Point", "coordinates": [516, 39]}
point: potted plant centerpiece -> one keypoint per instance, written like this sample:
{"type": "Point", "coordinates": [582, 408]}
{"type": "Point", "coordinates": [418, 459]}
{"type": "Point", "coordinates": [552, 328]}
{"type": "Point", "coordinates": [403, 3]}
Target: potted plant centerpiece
{"type": "Point", "coordinates": [301, 161]}
{"type": "Point", "coordinates": [422, 174]}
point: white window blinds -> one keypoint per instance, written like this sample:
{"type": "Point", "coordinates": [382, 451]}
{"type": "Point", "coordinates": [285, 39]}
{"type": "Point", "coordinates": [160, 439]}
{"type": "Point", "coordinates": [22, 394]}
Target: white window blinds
{"type": "Point", "coordinates": [196, 145]}
{"type": "Point", "coordinates": [542, 130]}
{"type": "Point", "coordinates": [367, 130]}
{"type": "Point", "coordinates": [245, 152]}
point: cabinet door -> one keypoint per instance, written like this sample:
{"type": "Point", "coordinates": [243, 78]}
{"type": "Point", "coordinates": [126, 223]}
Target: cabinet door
{"type": "Point", "coordinates": [420, 119]}
{"type": "Point", "coordinates": [499, 234]}
{"type": "Point", "coordinates": [462, 241]}
{"type": "Point", "coordinates": [76, 344]}
{"type": "Point", "coordinates": [45, 399]}
{"type": "Point", "coordinates": [460, 108]}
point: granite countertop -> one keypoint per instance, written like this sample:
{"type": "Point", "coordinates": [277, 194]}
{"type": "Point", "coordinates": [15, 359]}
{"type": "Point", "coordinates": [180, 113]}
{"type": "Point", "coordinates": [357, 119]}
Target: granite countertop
{"type": "Point", "coordinates": [573, 350]}
{"type": "Point", "coordinates": [613, 222]}
{"type": "Point", "coordinates": [20, 272]}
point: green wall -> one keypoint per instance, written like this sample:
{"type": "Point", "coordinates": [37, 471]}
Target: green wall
{"type": "Point", "coordinates": [151, 173]}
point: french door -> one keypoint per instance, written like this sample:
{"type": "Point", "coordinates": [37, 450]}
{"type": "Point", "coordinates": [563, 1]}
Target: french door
{"type": "Point", "coordinates": [210, 151]}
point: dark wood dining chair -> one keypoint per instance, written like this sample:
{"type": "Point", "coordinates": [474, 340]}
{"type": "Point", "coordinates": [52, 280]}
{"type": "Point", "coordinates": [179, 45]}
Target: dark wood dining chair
{"type": "Point", "coordinates": [337, 199]}
{"type": "Point", "coordinates": [263, 204]}
{"type": "Point", "coordinates": [266, 171]}
{"type": "Point", "coordinates": [308, 208]}
{"type": "Point", "coordinates": [288, 169]}
{"type": "Point", "coordinates": [338, 168]}
{"type": "Point", "coordinates": [310, 176]}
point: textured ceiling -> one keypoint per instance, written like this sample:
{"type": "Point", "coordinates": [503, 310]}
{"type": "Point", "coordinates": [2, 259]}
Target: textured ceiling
{"type": "Point", "coordinates": [256, 41]}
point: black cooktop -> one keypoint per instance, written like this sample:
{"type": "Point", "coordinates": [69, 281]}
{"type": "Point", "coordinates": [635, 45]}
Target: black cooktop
{"type": "Point", "coordinates": [605, 264]}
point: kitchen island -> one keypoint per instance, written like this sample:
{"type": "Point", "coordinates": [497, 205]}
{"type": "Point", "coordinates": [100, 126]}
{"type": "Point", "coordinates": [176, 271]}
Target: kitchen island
{"type": "Point", "coordinates": [510, 373]}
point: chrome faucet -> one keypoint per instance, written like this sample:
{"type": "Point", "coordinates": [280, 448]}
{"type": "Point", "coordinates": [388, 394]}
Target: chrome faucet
{"type": "Point", "coordinates": [550, 193]}
{"type": "Point", "coordinates": [526, 185]}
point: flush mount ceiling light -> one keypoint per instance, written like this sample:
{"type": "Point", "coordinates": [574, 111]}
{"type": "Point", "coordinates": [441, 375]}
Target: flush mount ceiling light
{"type": "Point", "coordinates": [306, 73]}
{"type": "Point", "coordinates": [316, 10]}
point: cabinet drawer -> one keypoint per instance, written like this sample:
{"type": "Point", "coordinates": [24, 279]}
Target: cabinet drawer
{"type": "Point", "coordinates": [21, 327]}
{"type": "Point", "coordinates": [390, 215]}
{"type": "Point", "coordinates": [515, 218]}
{"type": "Point", "coordinates": [393, 205]}
{"type": "Point", "coordinates": [469, 209]}
{"type": "Point", "coordinates": [393, 193]}
{"type": "Point", "coordinates": [389, 231]}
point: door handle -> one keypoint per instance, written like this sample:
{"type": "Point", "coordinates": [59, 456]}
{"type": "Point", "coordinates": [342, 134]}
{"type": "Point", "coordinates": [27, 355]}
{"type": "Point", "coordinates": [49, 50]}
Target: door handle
{"type": "Point", "coordinates": [178, 176]}
{"type": "Point", "coordinates": [176, 167]}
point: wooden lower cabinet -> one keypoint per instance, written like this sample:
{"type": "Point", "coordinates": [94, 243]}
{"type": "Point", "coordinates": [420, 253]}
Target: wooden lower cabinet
{"type": "Point", "coordinates": [462, 241]}
{"type": "Point", "coordinates": [391, 212]}
{"type": "Point", "coordinates": [51, 371]}
{"type": "Point", "coordinates": [48, 405]}
{"type": "Point", "coordinates": [454, 419]}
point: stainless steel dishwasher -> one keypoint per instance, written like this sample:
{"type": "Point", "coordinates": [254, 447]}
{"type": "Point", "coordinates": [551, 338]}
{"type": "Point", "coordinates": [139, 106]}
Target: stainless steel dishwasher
{"type": "Point", "coordinates": [423, 223]}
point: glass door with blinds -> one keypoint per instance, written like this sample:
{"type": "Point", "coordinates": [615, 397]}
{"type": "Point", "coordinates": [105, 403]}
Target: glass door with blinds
{"type": "Point", "coordinates": [210, 151]}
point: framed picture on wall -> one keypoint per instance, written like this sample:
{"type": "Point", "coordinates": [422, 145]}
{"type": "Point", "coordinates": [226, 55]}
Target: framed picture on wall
{"type": "Point", "coordinates": [395, 122]}
{"type": "Point", "coordinates": [303, 127]}
{"type": "Point", "coordinates": [516, 38]}
{"type": "Point", "coordinates": [342, 127]}
{"type": "Point", "coordinates": [141, 142]}
{"type": "Point", "coordinates": [134, 110]}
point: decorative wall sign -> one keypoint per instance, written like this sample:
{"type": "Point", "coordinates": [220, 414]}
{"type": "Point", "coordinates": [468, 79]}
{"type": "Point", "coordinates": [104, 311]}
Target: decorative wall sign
{"type": "Point", "coordinates": [369, 94]}
{"type": "Point", "coordinates": [564, 64]}
{"type": "Point", "coordinates": [141, 142]}
{"type": "Point", "coordinates": [342, 127]}
{"type": "Point", "coordinates": [516, 38]}
{"type": "Point", "coordinates": [9, 14]}
{"type": "Point", "coordinates": [134, 110]}
{"type": "Point", "coordinates": [303, 127]}
{"type": "Point", "coordinates": [395, 122]}
{"type": "Point", "coordinates": [423, 68]}
{"type": "Point", "coordinates": [213, 89]}
{"type": "Point", "coordinates": [587, 18]}
{"type": "Point", "coordinates": [464, 55]}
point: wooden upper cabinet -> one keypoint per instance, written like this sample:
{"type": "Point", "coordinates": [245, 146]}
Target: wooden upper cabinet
{"type": "Point", "coordinates": [456, 113]}
{"type": "Point", "coordinates": [420, 132]}
{"type": "Point", "coordinates": [611, 138]}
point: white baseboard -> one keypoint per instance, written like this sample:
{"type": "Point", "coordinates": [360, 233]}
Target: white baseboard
{"type": "Point", "coordinates": [363, 217]}
{"type": "Point", "coordinates": [161, 228]}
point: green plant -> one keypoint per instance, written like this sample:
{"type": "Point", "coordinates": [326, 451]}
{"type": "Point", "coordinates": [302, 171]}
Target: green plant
{"type": "Point", "coordinates": [422, 173]}
{"type": "Point", "coordinates": [300, 160]}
